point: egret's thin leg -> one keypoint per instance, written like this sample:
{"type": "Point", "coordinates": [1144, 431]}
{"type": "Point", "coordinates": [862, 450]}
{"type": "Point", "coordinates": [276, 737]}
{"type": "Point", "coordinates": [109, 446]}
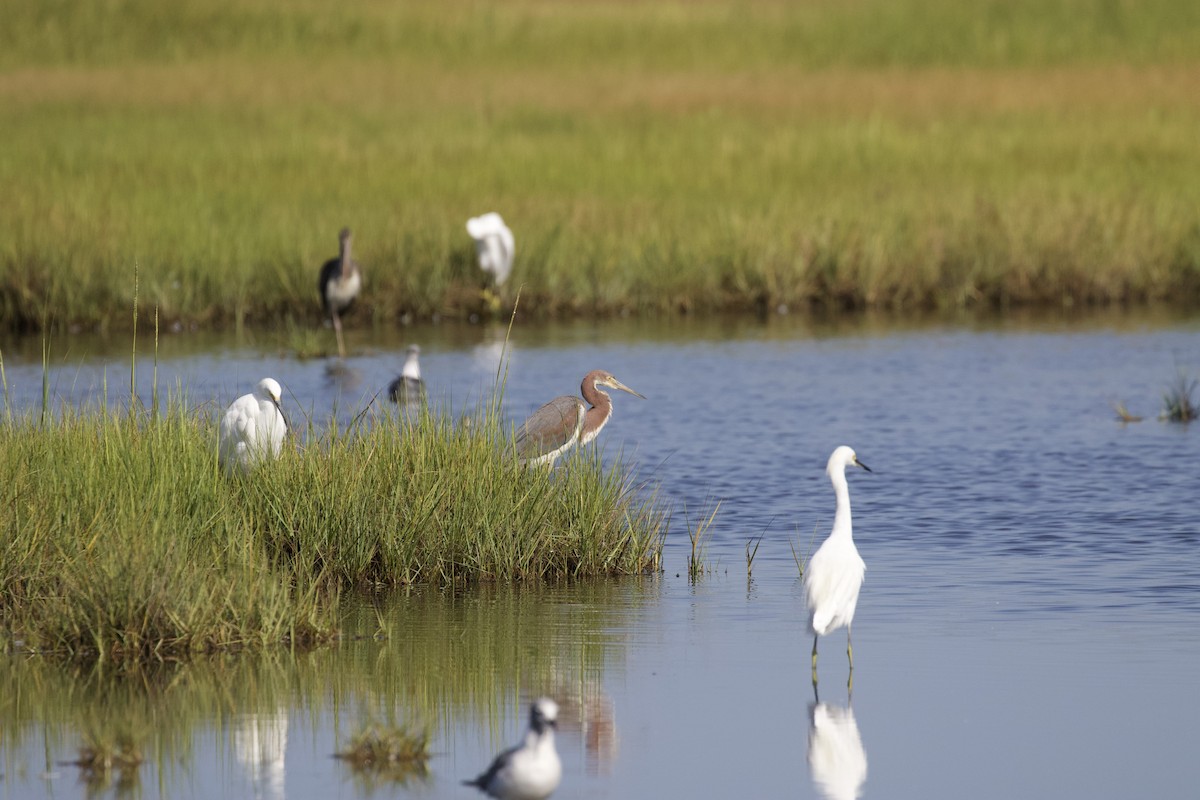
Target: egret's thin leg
{"type": "Point", "coordinates": [814, 662]}
{"type": "Point", "coordinates": [849, 649]}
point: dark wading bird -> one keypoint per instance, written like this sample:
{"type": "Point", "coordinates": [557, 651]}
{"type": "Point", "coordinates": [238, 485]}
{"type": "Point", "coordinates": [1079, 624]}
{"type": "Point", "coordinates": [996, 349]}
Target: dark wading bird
{"type": "Point", "coordinates": [532, 769]}
{"type": "Point", "coordinates": [339, 284]}
{"type": "Point", "coordinates": [567, 421]}
{"type": "Point", "coordinates": [409, 387]}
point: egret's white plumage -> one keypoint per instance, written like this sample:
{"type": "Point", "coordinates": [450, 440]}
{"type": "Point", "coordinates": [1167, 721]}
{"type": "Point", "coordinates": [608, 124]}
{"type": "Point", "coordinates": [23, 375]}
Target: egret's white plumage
{"type": "Point", "coordinates": [253, 427]}
{"type": "Point", "coordinates": [493, 244]}
{"type": "Point", "coordinates": [532, 769]}
{"type": "Point", "coordinates": [834, 574]}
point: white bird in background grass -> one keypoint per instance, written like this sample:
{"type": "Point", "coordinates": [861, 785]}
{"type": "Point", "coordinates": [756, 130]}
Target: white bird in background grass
{"type": "Point", "coordinates": [253, 428]}
{"type": "Point", "coordinates": [834, 574]}
{"type": "Point", "coordinates": [493, 244]}
{"type": "Point", "coordinates": [532, 769]}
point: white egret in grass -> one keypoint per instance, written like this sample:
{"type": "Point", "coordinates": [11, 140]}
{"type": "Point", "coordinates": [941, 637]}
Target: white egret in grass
{"type": "Point", "coordinates": [834, 574]}
{"type": "Point", "coordinates": [339, 283]}
{"type": "Point", "coordinates": [408, 387]}
{"type": "Point", "coordinates": [253, 428]}
{"type": "Point", "coordinates": [567, 421]}
{"type": "Point", "coordinates": [493, 245]}
{"type": "Point", "coordinates": [532, 769]}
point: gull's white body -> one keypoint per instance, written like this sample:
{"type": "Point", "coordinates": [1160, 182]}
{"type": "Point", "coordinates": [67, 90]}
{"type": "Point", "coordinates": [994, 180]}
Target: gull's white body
{"type": "Point", "coordinates": [493, 244]}
{"type": "Point", "coordinates": [531, 770]}
{"type": "Point", "coordinates": [253, 428]}
{"type": "Point", "coordinates": [837, 760]}
{"type": "Point", "coordinates": [409, 385]}
{"type": "Point", "coordinates": [834, 575]}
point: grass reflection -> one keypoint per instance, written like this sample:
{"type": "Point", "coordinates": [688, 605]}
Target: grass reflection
{"type": "Point", "coordinates": [420, 659]}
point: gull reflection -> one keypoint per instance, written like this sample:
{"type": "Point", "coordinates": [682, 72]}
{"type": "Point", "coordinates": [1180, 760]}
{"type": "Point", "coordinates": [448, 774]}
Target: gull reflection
{"type": "Point", "coordinates": [836, 758]}
{"type": "Point", "coordinates": [259, 742]}
{"type": "Point", "coordinates": [585, 707]}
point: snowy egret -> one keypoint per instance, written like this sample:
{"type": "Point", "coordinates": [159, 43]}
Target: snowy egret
{"type": "Point", "coordinates": [532, 769]}
{"type": "Point", "coordinates": [834, 574]}
{"type": "Point", "coordinates": [408, 387]}
{"type": "Point", "coordinates": [493, 244]}
{"type": "Point", "coordinates": [253, 427]}
{"type": "Point", "coordinates": [339, 283]}
{"type": "Point", "coordinates": [566, 421]}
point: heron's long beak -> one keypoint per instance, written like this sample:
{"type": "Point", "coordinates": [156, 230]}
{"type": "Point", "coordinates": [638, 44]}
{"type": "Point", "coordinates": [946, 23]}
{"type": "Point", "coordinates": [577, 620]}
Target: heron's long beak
{"type": "Point", "coordinates": [864, 466]}
{"type": "Point", "coordinates": [616, 384]}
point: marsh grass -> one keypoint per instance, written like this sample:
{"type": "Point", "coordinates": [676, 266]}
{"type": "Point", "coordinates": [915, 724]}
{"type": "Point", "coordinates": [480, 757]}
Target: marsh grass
{"type": "Point", "coordinates": [797, 551]}
{"type": "Point", "coordinates": [125, 540]}
{"type": "Point", "coordinates": [649, 157]}
{"type": "Point", "coordinates": [1123, 413]}
{"type": "Point", "coordinates": [1179, 401]}
{"type": "Point", "coordinates": [699, 537]}
{"type": "Point", "coordinates": [388, 751]}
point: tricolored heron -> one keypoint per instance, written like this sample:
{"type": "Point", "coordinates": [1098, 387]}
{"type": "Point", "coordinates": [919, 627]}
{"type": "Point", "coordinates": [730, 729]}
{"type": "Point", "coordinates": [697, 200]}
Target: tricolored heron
{"type": "Point", "coordinates": [339, 283]}
{"type": "Point", "coordinates": [531, 770]}
{"type": "Point", "coordinates": [493, 245]}
{"type": "Point", "coordinates": [834, 574]}
{"type": "Point", "coordinates": [408, 387]}
{"type": "Point", "coordinates": [253, 428]}
{"type": "Point", "coordinates": [566, 421]}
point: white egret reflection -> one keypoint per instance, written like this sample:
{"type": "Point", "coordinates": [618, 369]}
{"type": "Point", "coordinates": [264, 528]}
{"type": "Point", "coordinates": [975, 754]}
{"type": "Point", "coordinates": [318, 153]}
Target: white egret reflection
{"type": "Point", "coordinates": [260, 744]}
{"type": "Point", "coordinates": [837, 760]}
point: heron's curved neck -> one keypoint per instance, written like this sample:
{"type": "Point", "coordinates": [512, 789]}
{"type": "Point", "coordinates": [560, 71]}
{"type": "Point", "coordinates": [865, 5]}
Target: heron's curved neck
{"type": "Point", "coordinates": [841, 519]}
{"type": "Point", "coordinates": [598, 415]}
{"type": "Point", "coordinates": [345, 263]}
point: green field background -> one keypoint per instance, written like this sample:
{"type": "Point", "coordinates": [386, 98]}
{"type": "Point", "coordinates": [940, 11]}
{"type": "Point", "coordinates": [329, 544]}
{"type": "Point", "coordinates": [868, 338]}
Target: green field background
{"type": "Point", "coordinates": [649, 157]}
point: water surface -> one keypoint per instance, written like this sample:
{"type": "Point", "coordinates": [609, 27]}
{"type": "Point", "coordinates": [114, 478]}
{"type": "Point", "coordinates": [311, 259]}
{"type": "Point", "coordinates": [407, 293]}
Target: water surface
{"type": "Point", "coordinates": [1030, 623]}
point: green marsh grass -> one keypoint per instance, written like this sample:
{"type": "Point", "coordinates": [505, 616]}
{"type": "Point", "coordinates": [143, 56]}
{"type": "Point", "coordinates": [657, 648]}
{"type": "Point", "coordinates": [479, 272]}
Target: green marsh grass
{"type": "Point", "coordinates": [699, 537]}
{"type": "Point", "coordinates": [125, 540]}
{"type": "Point", "coordinates": [388, 751]}
{"type": "Point", "coordinates": [1179, 400]}
{"type": "Point", "coordinates": [650, 157]}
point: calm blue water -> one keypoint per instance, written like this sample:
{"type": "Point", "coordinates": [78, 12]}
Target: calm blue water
{"type": "Point", "coordinates": [1030, 623]}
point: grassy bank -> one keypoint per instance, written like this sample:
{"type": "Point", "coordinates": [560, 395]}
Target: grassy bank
{"type": "Point", "coordinates": [649, 157]}
{"type": "Point", "coordinates": [123, 538]}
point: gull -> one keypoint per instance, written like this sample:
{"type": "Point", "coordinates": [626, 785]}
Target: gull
{"type": "Point", "coordinates": [408, 387]}
{"type": "Point", "coordinates": [532, 769]}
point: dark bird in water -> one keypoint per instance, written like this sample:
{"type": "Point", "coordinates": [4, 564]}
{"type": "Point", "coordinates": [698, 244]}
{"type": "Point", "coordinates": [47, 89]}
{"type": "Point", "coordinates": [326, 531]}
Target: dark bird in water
{"type": "Point", "coordinates": [339, 284]}
{"type": "Point", "coordinates": [409, 387]}
{"type": "Point", "coordinates": [531, 770]}
{"type": "Point", "coordinates": [567, 421]}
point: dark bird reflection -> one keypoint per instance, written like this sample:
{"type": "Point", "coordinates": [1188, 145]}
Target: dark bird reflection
{"type": "Point", "coordinates": [836, 758]}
